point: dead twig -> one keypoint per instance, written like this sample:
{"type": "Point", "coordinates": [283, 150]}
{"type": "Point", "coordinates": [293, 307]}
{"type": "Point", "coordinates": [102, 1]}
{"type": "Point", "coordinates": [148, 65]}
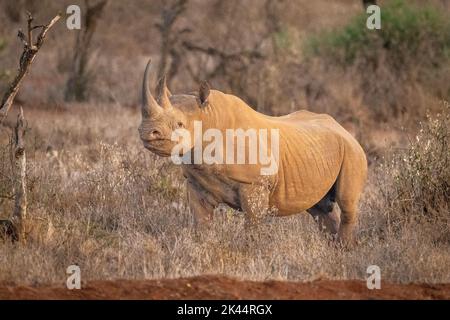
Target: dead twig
{"type": "Point", "coordinates": [26, 59]}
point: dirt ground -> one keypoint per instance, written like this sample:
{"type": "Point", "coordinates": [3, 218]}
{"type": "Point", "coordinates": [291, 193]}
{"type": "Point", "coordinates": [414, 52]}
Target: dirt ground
{"type": "Point", "coordinates": [217, 287]}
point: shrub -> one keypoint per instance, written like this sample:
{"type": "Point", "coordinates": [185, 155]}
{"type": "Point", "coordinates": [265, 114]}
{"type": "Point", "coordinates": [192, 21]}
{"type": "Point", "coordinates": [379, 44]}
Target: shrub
{"type": "Point", "coordinates": [396, 66]}
{"type": "Point", "coordinates": [418, 177]}
{"type": "Point", "coordinates": [419, 32]}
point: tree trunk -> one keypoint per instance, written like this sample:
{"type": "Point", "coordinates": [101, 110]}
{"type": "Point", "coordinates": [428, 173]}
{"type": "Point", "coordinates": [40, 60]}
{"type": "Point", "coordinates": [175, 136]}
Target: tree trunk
{"type": "Point", "coordinates": [20, 174]}
{"type": "Point", "coordinates": [80, 76]}
{"type": "Point", "coordinates": [170, 38]}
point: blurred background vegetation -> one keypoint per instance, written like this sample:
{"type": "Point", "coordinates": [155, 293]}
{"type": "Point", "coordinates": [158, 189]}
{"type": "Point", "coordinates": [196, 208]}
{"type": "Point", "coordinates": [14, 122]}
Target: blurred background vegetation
{"type": "Point", "coordinates": [413, 44]}
{"type": "Point", "coordinates": [279, 56]}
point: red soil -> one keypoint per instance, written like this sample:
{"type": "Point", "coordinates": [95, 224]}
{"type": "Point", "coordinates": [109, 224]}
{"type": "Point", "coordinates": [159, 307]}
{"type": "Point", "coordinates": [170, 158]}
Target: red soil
{"type": "Point", "coordinates": [218, 287]}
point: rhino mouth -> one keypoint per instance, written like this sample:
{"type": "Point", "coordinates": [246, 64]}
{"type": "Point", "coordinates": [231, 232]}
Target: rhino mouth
{"type": "Point", "coordinates": [161, 147]}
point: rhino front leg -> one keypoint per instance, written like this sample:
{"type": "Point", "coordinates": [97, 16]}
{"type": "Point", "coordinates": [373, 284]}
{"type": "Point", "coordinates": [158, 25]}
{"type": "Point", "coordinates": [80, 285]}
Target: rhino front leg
{"type": "Point", "coordinates": [254, 202]}
{"type": "Point", "coordinates": [201, 203]}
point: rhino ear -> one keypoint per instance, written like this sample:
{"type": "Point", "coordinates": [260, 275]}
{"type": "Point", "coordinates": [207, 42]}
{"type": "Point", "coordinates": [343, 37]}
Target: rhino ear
{"type": "Point", "coordinates": [203, 93]}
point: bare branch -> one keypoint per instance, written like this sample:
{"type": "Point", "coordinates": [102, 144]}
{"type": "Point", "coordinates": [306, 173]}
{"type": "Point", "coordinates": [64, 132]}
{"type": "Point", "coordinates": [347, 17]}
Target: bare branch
{"type": "Point", "coordinates": [30, 29]}
{"type": "Point", "coordinates": [45, 29]}
{"type": "Point", "coordinates": [37, 27]}
{"type": "Point", "coordinates": [29, 53]}
{"type": "Point", "coordinates": [251, 54]}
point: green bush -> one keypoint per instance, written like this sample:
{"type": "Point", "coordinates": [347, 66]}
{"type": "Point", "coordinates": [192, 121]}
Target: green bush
{"type": "Point", "coordinates": [397, 67]}
{"type": "Point", "coordinates": [407, 31]}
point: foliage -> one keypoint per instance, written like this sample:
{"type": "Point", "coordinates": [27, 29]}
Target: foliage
{"type": "Point", "coordinates": [406, 29]}
{"type": "Point", "coordinates": [419, 176]}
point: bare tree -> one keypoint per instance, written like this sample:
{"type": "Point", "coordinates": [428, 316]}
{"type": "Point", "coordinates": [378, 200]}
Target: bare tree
{"type": "Point", "coordinates": [80, 75]}
{"type": "Point", "coordinates": [232, 58]}
{"type": "Point", "coordinates": [170, 38]}
{"type": "Point", "coordinates": [14, 228]}
{"type": "Point", "coordinates": [30, 50]}
{"type": "Point", "coordinates": [239, 58]}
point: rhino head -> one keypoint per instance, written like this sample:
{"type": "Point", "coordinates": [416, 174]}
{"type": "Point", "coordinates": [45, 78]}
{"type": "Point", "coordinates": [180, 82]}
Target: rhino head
{"type": "Point", "coordinates": [166, 113]}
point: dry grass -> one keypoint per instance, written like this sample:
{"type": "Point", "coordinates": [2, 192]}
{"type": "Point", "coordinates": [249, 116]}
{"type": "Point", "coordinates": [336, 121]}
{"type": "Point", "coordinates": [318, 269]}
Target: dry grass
{"type": "Point", "coordinates": [99, 200]}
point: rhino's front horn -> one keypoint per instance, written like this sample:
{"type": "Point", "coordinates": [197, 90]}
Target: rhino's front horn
{"type": "Point", "coordinates": [149, 104]}
{"type": "Point", "coordinates": [163, 94]}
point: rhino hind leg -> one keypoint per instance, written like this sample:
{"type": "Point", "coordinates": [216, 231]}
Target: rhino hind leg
{"type": "Point", "coordinates": [349, 217]}
{"type": "Point", "coordinates": [326, 214]}
{"type": "Point", "coordinates": [349, 187]}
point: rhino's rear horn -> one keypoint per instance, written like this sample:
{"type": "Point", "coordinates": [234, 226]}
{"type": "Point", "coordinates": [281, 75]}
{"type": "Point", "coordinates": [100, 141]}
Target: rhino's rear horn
{"type": "Point", "coordinates": [203, 93]}
{"type": "Point", "coordinates": [163, 93]}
